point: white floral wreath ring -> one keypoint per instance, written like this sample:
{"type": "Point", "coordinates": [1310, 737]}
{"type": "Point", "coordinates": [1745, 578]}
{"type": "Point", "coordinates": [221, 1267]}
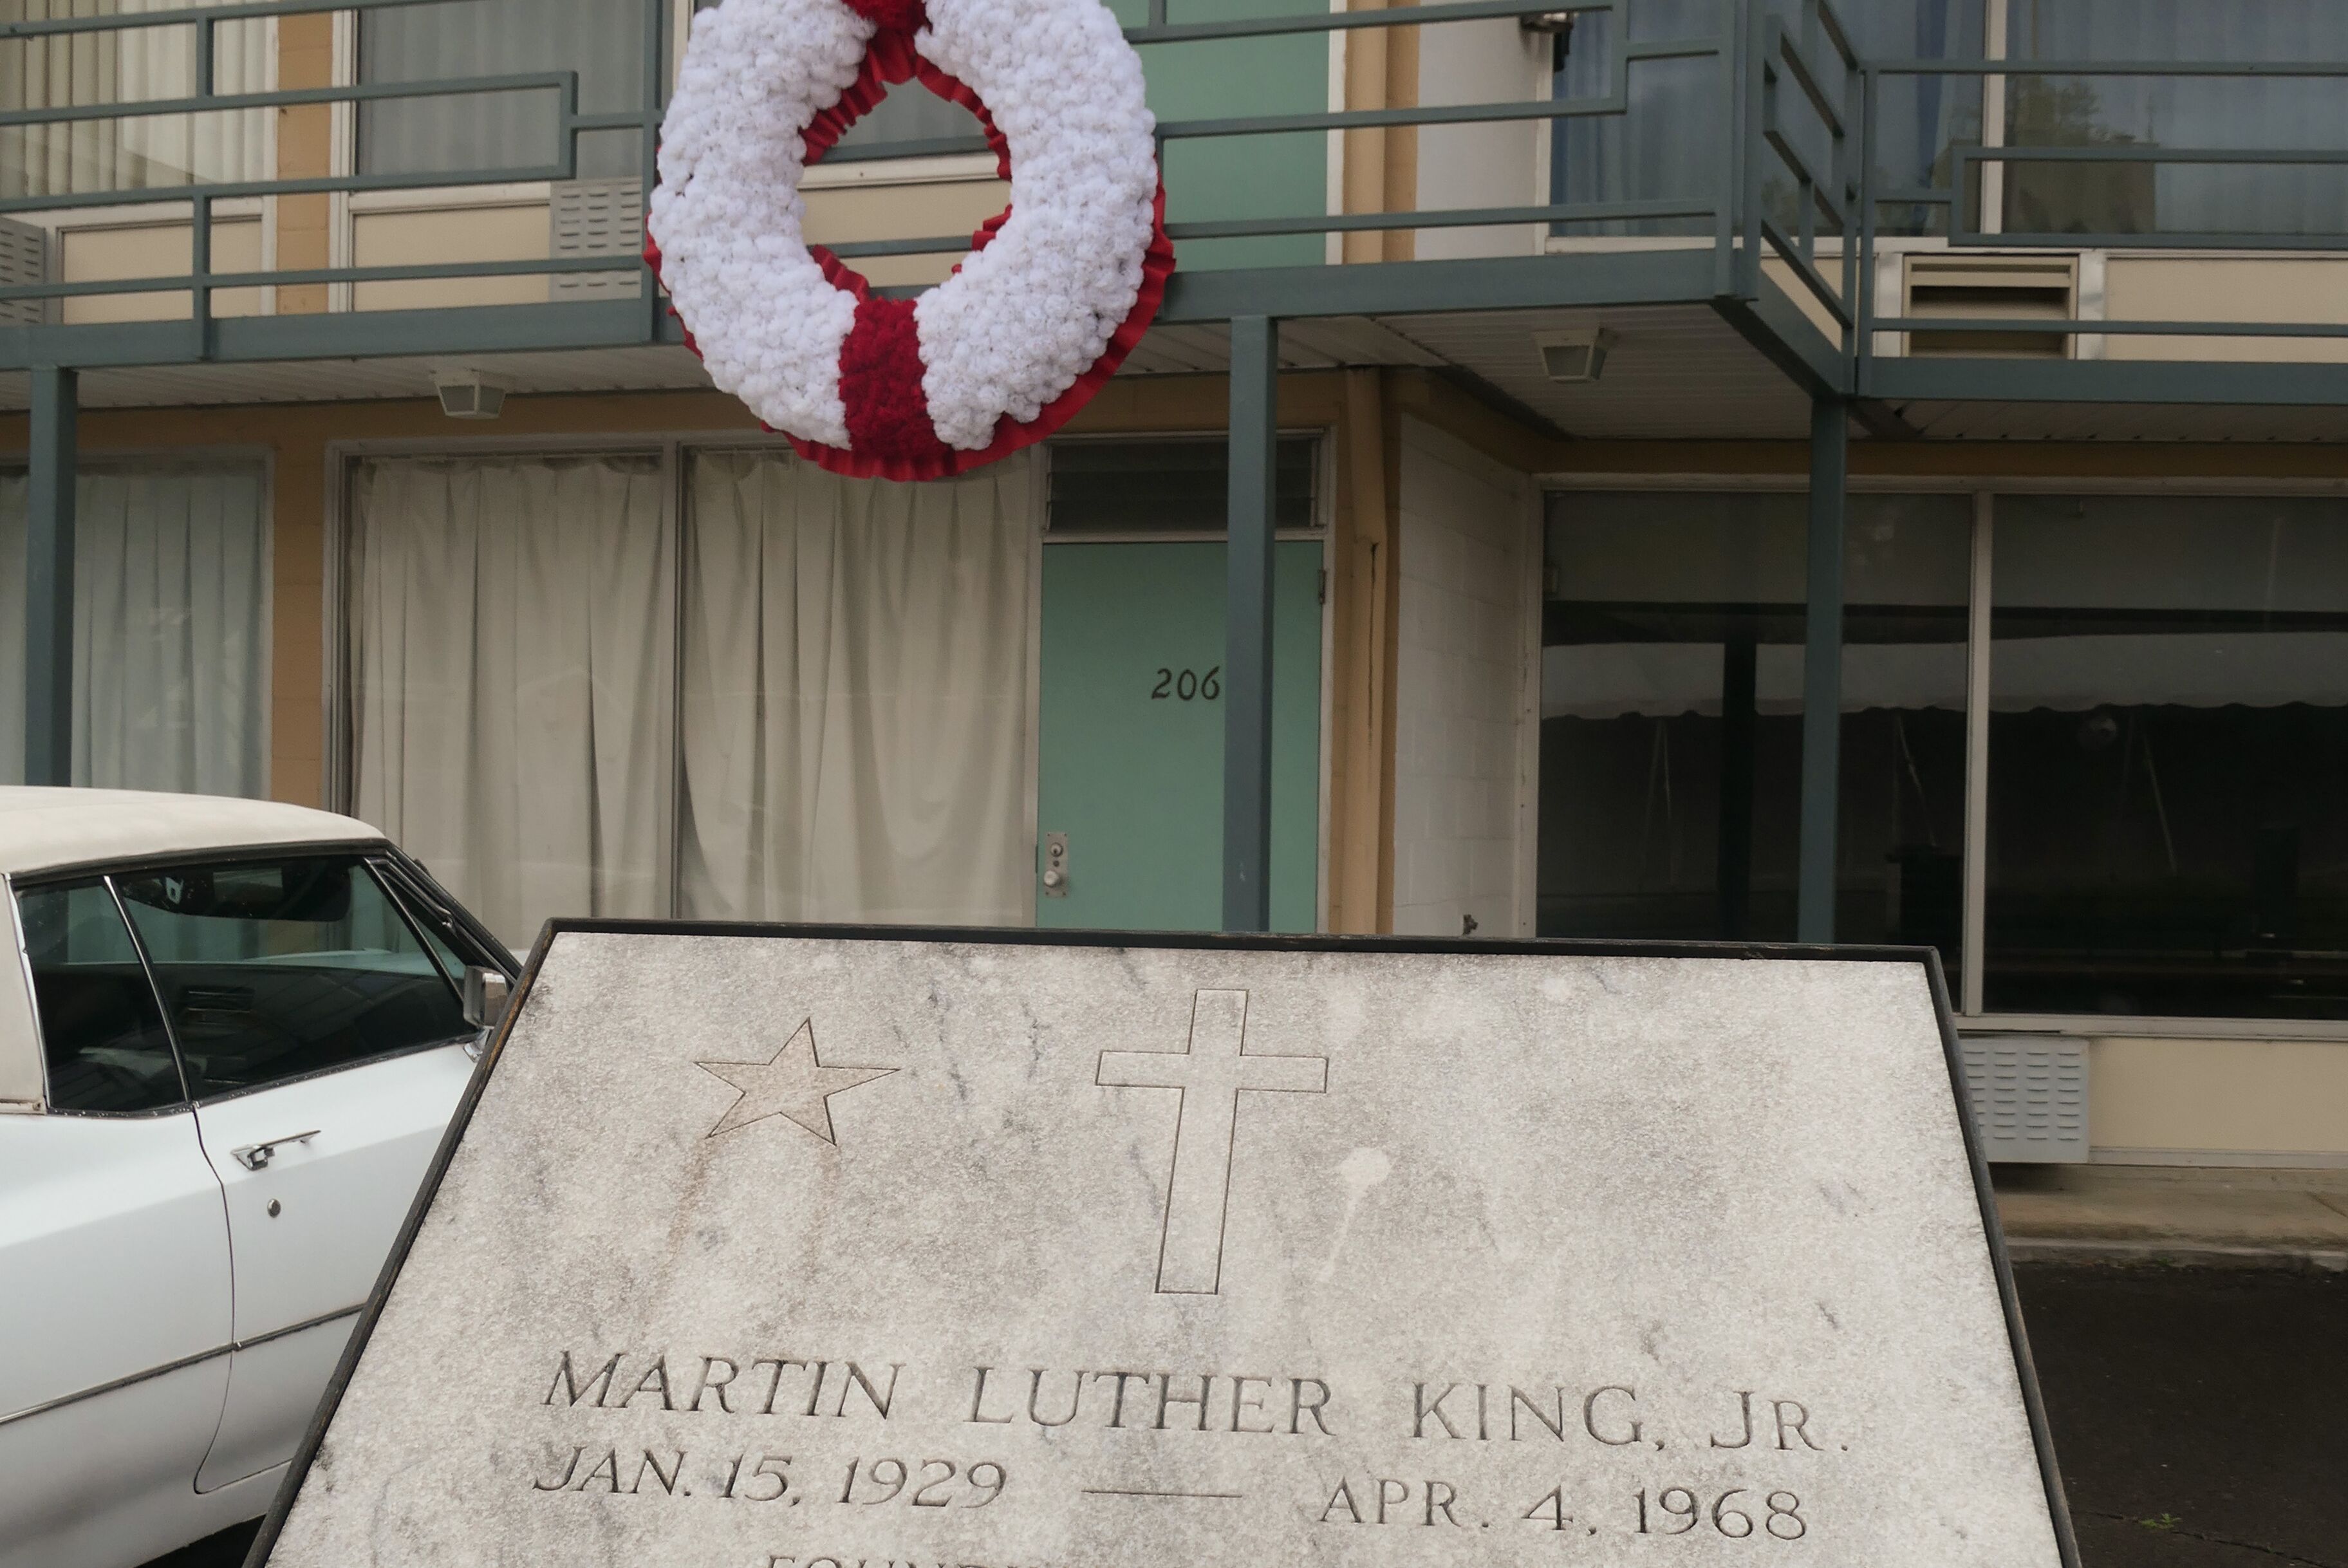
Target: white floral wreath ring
{"type": "Point", "coordinates": [1054, 294]}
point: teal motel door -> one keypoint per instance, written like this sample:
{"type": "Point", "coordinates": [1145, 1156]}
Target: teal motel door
{"type": "Point", "coordinates": [1131, 769]}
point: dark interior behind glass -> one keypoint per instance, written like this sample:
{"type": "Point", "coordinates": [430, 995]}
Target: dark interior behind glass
{"type": "Point", "coordinates": [107, 1050]}
{"type": "Point", "coordinates": [269, 970]}
{"type": "Point", "coordinates": [1670, 717]}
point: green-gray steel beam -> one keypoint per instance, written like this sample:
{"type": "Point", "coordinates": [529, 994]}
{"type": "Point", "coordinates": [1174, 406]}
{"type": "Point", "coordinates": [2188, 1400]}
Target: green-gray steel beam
{"type": "Point", "coordinates": [1814, 918]}
{"type": "Point", "coordinates": [2232, 384]}
{"type": "Point", "coordinates": [1772, 322]}
{"type": "Point", "coordinates": [1247, 626]}
{"type": "Point", "coordinates": [1426, 288]}
{"type": "Point", "coordinates": [49, 579]}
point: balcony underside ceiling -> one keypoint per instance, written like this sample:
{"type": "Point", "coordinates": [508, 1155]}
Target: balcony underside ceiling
{"type": "Point", "coordinates": [1674, 372]}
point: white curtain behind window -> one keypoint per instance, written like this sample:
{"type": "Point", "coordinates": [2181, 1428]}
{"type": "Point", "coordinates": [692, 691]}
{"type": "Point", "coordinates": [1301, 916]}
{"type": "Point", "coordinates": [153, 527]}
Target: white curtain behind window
{"type": "Point", "coordinates": [73, 69]}
{"type": "Point", "coordinates": [170, 630]}
{"type": "Point", "coordinates": [856, 715]}
{"type": "Point", "coordinates": [512, 645]}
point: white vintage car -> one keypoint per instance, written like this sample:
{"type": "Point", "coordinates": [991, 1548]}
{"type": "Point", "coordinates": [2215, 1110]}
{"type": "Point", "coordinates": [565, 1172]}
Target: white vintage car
{"type": "Point", "coordinates": [231, 1033]}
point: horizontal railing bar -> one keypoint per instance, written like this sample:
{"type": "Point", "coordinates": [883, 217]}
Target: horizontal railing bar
{"type": "Point", "coordinates": [1383, 118]}
{"type": "Point", "coordinates": [1329, 223]}
{"type": "Point", "coordinates": [2148, 154]}
{"type": "Point", "coordinates": [882, 151]}
{"type": "Point", "coordinates": [224, 103]}
{"type": "Point", "coordinates": [2068, 327]}
{"type": "Point", "coordinates": [2184, 242]}
{"type": "Point", "coordinates": [1927, 67]}
{"type": "Point", "coordinates": [417, 272]}
{"type": "Point", "coordinates": [1435, 218]}
{"type": "Point", "coordinates": [189, 16]}
{"type": "Point", "coordinates": [324, 185]}
{"type": "Point", "coordinates": [1341, 21]}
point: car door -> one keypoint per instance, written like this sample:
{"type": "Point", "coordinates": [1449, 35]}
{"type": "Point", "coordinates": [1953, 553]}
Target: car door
{"type": "Point", "coordinates": [115, 1295]}
{"type": "Point", "coordinates": [325, 1048]}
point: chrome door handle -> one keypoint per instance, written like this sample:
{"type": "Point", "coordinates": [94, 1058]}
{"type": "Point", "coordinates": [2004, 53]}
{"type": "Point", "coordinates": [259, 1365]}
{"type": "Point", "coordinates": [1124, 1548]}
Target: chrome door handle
{"type": "Point", "coordinates": [257, 1156]}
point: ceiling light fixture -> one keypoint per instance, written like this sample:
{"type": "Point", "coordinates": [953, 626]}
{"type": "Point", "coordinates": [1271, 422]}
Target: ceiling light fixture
{"type": "Point", "coordinates": [1574, 357]}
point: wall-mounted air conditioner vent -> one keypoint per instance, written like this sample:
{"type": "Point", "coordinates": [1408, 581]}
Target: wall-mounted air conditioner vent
{"type": "Point", "coordinates": [596, 218]}
{"type": "Point", "coordinates": [23, 260]}
{"type": "Point", "coordinates": [2029, 1095]}
{"type": "Point", "coordinates": [1993, 288]}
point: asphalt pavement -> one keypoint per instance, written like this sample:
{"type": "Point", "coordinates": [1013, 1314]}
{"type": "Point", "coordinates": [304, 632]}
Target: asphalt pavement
{"type": "Point", "coordinates": [2200, 1416]}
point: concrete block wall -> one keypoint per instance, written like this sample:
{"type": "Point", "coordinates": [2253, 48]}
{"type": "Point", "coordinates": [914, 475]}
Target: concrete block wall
{"type": "Point", "coordinates": [1464, 690]}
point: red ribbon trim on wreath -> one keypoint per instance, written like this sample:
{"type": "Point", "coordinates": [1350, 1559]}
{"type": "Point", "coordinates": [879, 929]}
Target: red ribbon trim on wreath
{"type": "Point", "coordinates": [890, 432]}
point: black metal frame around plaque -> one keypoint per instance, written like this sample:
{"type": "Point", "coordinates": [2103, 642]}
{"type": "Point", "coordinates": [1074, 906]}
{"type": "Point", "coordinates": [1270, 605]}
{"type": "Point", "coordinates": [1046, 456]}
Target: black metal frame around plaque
{"type": "Point", "coordinates": [1984, 1196]}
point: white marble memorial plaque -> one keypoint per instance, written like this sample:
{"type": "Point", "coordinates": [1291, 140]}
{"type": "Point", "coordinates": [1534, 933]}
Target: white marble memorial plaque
{"type": "Point", "coordinates": [791, 1249]}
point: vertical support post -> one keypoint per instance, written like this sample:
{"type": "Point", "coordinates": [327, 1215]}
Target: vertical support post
{"type": "Point", "coordinates": [1972, 983]}
{"type": "Point", "coordinates": [1822, 668]}
{"type": "Point", "coordinates": [1247, 627]}
{"type": "Point", "coordinates": [1740, 660]}
{"type": "Point", "coordinates": [654, 101]}
{"type": "Point", "coordinates": [49, 579]}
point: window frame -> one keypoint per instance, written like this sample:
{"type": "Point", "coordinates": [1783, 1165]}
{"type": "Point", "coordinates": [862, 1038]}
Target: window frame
{"type": "Point", "coordinates": [46, 882]}
{"type": "Point", "coordinates": [366, 851]}
{"type": "Point", "coordinates": [1971, 1016]}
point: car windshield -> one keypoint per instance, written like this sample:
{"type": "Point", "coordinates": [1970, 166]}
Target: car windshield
{"type": "Point", "coordinates": [272, 969]}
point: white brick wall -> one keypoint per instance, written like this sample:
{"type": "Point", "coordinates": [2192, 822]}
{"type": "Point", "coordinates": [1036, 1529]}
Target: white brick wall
{"type": "Point", "coordinates": [1463, 742]}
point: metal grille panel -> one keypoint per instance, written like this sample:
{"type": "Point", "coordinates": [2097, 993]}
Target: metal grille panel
{"type": "Point", "coordinates": [23, 260]}
{"type": "Point", "coordinates": [596, 218]}
{"type": "Point", "coordinates": [2029, 1095]}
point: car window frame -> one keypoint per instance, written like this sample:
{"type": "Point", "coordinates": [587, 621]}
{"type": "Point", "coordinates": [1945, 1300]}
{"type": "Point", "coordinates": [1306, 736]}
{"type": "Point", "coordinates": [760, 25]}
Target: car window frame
{"type": "Point", "coordinates": [18, 889]}
{"type": "Point", "coordinates": [366, 852]}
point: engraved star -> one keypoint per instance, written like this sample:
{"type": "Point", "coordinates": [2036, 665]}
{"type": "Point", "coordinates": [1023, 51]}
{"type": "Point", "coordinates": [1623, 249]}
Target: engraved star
{"type": "Point", "coordinates": [794, 1084]}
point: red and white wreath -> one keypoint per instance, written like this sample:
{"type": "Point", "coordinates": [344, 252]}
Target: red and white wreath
{"type": "Point", "coordinates": [1053, 296]}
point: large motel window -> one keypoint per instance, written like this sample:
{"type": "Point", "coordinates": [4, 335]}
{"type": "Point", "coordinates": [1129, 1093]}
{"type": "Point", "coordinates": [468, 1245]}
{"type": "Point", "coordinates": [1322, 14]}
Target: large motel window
{"type": "Point", "coordinates": [795, 697]}
{"type": "Point", "coordinates": [1671, 717]}
{"type": "Point", "coordinates": [2164, 735]}
{"type": "Point", "coordinates": [2168, 738]}
{"type": "Point", "coordinates": [126, 66]}
{"type": "Point", "coordinates": [170, 660]}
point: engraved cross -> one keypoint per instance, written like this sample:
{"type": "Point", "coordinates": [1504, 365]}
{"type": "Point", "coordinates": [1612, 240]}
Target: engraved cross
{"type": "Point", "coordinates": [1210, 1073]}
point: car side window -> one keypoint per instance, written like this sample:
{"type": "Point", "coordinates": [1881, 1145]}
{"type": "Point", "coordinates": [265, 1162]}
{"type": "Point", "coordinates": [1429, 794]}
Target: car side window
{"type": "Point", "coordinates": [272, 969]}
{"type": "Point", "coordinates": [101, 1029]}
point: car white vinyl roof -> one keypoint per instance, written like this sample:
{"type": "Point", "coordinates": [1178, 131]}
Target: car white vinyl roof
{"type": "Point", "coordinates": [47, 830]}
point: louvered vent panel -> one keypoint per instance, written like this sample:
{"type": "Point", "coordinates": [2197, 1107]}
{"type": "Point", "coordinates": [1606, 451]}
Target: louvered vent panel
{"type": "Point", "coordinates": [23, 260]}
{"type": "Point", "coordinates": [596, 218]}
{"type": "Point", "coordinates": [2029, 1097]}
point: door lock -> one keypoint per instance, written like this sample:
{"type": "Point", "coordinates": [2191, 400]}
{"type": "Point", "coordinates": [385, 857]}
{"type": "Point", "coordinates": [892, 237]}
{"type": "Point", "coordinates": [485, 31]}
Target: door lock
{"type": "Point", "coordinates": [257, 1156]}
{"type": "Point", "coordinates": [1055, 865]}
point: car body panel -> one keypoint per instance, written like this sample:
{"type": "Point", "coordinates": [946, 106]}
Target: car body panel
{"type": "Point", "coordinates": [115, 1301]}
{"type": "Point", "coordinates": [302, 1272]}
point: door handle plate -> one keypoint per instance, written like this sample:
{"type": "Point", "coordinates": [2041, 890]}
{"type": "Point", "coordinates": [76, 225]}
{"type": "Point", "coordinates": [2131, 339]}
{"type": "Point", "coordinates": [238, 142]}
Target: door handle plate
{"type": "Point", "coordinates": [257, 1156]}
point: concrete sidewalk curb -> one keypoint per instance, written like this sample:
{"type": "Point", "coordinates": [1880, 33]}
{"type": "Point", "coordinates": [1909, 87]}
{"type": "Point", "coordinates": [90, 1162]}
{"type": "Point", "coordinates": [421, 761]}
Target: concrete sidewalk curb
{"type": "Point", "coordinates": [2178, 1253]}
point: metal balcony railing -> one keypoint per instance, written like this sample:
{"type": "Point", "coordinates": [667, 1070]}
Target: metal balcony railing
{"type": "Point", "coordinates": [1780, 234]}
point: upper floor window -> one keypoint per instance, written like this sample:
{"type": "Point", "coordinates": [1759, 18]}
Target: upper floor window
{"type": "Point", "coordinates": [912, 120]}
{"type": "Point", "coordinates": [603, 40]}
{"type": "Point", "coordinates": [2235, 113]}
{"type": "Point", "coordinates": [1671, 144]}
{"type": "Point", "coordinates": [126, 65]}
